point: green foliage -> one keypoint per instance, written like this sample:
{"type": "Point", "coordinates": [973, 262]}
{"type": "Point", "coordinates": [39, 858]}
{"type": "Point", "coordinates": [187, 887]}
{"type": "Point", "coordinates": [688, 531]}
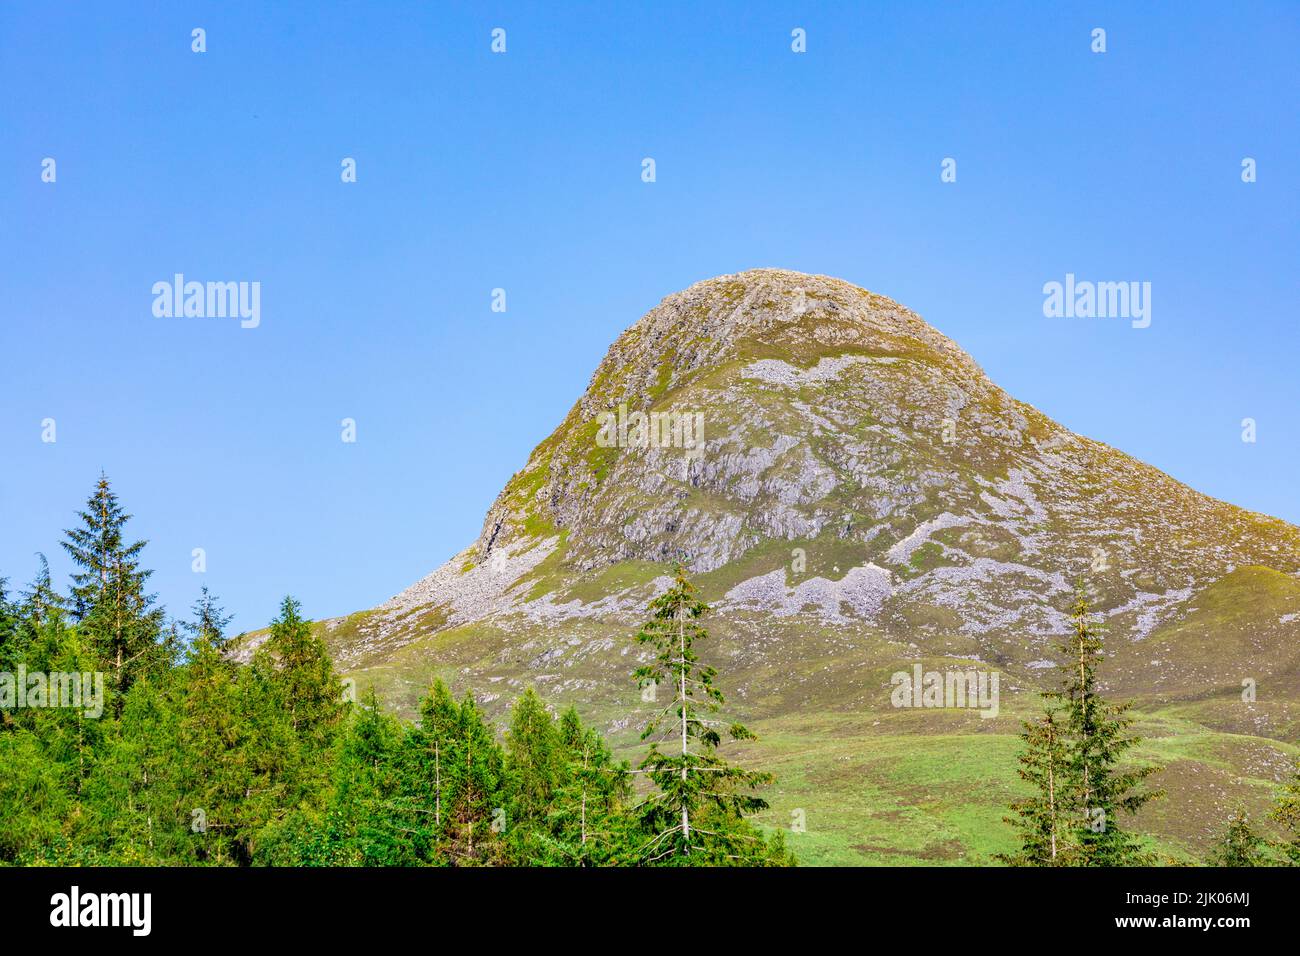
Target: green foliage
{"type": "Point", "coordinates": [1239, 844]}
{"type": "Point", "coordinates": [1041, 819]}
{"type": "Point", "coordinates": [108, 593]}
{"type": "Point", "coordinates": [194, 759]}
{"type": "Point", "coordinates": [1074, 766]}
{"type": "Point", "coordinates": [1287, 814]}
{"type": "Point", "coordinates": [697, 814]}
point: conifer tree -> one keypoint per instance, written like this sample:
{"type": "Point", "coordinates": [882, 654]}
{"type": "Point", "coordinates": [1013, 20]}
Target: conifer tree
{"type": "Point", "coordinates": [1287, 813]}
{"type": "Point", "coordinates": [34, 798]}
{"type": "Point", "coordinates": [70, 735]}
{"type": "Point", "coordinates": [366, 825]}
{"type": "Point", "coordinates": [133, 801]}
{"type": "Point", "coordinates": [273, 769]}
{"type": "Point", "coordinates": [304, 676]}
{"type": "Point", "coordinates": [439, 720]}
{"type": "Point", "coordinates": [701, 798]}
{"type": "Point", "coordinates": [1044, 820]}
{"type": "Point", "coordinates": [210, 732]}
{"type": "Point", "coordinates": [534, 761]}
{"type": "Point", "coordinates": [587, 814]}
{"type": "Point", "coordinates": [1097, 790]}
{"type": "Point", "coordinates": [477, 771]}
{"type": "Point", "coordinates": [1239, 844]}
{"type": "Point", "coordinates": [8, 624]}
{"type": "Point", "coordinates": [108, 593]}
{"type": "Point", "coordinates": [37, 603]}
{"type": "Point", "coordinates": [210, 620]}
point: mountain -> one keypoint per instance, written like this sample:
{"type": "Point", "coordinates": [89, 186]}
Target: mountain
{"type": "Point", "coordinates": [854, 496]}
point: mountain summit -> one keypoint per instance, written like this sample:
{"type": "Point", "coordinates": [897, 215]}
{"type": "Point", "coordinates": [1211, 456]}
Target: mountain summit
{"type": "Point", "coordinates": [853, 495]}
{"type": "Point", "coordinates": [826, 418]}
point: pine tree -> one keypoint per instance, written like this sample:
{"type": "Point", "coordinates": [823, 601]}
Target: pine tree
{"type": "Point", "coordinates": [534, 760]}
{"type": "Point", "coordinates": [1238, 844]}
{"type": "Point", "coordinates": [108, 594]}
{"type": "Point", "coordinates": [587, 816]}
{"type": "Point", "coordinates": [366, 824]}
{"type": "Point", "coordinates": [701, 799]}
{"type": "Point", "coordinates": [215, 783]}
{"type": "Point", "coordinates": [1097, 790]}
{"type": "Point", "coordinates": [1044, 821]}
{"type": "Point", "coordinates": [477, 776]}
{"type": "Point", "coordinates": [133, 801]}
{"type": "Point", "coordinates": [309, 689]}
{"type": "Point", "coordinates": [439, 719]}
{"type": "Point", "coordinates": [210, 620]}
{"type": "Point", "coordinates": [8, 625]}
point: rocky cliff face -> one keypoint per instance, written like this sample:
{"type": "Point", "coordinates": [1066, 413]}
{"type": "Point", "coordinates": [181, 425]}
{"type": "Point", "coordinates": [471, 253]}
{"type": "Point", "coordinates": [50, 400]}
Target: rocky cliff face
{"type": "Point", "coordinates": [862, 464]}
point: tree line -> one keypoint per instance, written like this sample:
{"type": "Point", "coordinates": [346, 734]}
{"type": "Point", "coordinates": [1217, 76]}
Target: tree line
{"type": "Point", "coordinates": [199, 760]}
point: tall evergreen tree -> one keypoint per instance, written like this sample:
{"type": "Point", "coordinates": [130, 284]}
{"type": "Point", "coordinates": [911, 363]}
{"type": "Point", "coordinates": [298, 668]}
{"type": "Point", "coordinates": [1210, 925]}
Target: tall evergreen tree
{"type": "Point", "coordinates": [701, 798]}
{"type": "Point", "coordinates": [588, 814]}
{"type": "Point", "coordinates": [311, 692]}
{"type": "Point", "coordinates": [534, 760]}
{"type": "Point", "coordinates": [1097, 789]}
{"type": "Point", "coordinates": [439, 720]}
{"type": "Point", "coordinates": [209, 621]}
{"type": "Point", "coordinates": [108, 593]}
{"type": "Point", "coordinates": [134, 811]}
{"type": "Point", "coordinates": [215, 780]}
{"type": "Point", "coordinates": [1044, 820]}
{"type": "Point", "coordinates": [476, 811]}
{"type": "Point", "coordinates": [366, 821]}
{"type": "Point", "coordinates": [8, 624]}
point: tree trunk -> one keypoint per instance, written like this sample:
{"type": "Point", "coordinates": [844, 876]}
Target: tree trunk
{"type": "Point", "coordinates": [681, 670]}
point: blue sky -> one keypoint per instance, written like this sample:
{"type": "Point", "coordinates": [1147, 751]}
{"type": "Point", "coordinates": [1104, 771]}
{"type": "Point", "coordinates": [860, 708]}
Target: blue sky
{"type": "Point", "coordinates": [522, 171]}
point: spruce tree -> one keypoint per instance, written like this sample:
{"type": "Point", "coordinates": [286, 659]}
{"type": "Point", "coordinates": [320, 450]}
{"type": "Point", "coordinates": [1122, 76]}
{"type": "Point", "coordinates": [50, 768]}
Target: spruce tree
{"type": "Point", "coordinates": [309, 689]}
{"type": "Point", "coordinates": [534, 760]}
{"type": "Point", "coordinates": [108, 593]}
{"type": "Point", "coordinates": [1044, 819]}
{"type": "Point", "coordinates": [1239, 844]}
{"type": "Point", "coordinates": [439, 719]}
{"type": "Point", "coordinates": [477, 774]}
{"type": "Point", "coordinates": [587, 816]}
{"type": "Point", "coordinates": [8, 625]}
{"type": "Point", "coordinates": [39, 601]}
{"type": "Point", "coordinates": [1097, 789]}
{"type": "Point", "coordinates": [701, 799]}
{"type": "Point", "coordinates": [214, 781]}
{"type": "Point", "coordinates": [366, 824]}
{"type": "Point", "coordinates": [209, 621]}
{"type": "Point", "coordinates": [134, 804]}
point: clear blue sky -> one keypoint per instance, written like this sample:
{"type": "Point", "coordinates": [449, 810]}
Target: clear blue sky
{"type": "Point", "coordinates": [522, 171]}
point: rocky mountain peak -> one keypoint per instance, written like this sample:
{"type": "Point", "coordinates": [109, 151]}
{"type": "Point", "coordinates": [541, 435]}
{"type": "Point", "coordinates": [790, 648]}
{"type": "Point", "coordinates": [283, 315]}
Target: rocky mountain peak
{"type": "Point", "coordinates": [810, 448]}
